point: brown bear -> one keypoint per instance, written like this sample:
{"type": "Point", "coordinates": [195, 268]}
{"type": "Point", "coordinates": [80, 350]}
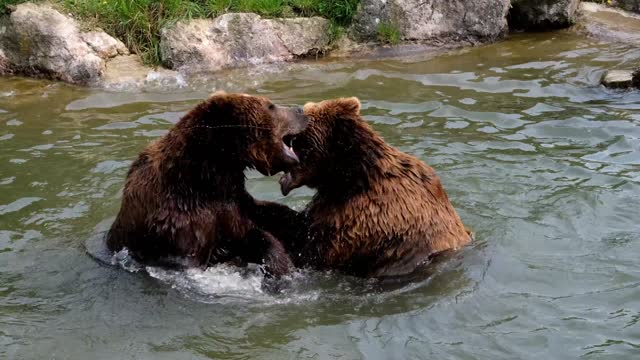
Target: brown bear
{"type": "Point", "coordinates": [185, 195]}
{"type": "Point", "coordinates": [377, 212]}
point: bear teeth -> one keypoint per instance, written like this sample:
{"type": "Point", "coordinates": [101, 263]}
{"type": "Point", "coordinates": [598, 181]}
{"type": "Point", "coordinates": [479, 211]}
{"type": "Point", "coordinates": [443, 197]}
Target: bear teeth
{"type": "Point", "coordinates": [288, 141]}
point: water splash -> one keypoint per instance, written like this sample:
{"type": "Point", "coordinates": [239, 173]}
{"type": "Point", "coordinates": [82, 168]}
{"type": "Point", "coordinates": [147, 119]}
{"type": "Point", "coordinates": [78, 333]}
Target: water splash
{"type": "Point", "coordinates": [214, 282]}
{"type": "Point", "coordinates": [221, 283]}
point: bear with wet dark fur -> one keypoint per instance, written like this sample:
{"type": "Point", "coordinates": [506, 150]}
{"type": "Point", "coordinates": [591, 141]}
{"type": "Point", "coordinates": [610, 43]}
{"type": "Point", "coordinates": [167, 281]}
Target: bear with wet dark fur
{"type": "Point", "coordinates": [185, 195]}
{"type": "Point", "coordinates": [377, 211]}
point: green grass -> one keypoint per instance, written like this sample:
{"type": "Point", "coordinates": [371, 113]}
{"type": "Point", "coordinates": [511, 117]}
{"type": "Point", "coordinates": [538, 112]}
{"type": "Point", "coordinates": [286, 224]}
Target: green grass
{"type": "Point", "coordinates": [304, 7]}
{"type": "Point", "coordinates": [336, 31]}
{"type": "Point", "coordinates": [341, 12]}
{"type": "Point", "coordinates": [138, 22]}
{"type": "Point", "coordinates": [388, 33]}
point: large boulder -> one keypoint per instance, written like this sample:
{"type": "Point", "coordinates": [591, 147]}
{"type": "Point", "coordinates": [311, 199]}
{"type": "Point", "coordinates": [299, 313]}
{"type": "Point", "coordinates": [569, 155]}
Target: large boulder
{"type": "Point", "coordinates": [609, 24]}
{"type": "Point", "coordinates": [240, 39]}
{"type": "Point", "coordinates": [432, 21]}
{"type": "Point", "coordinates": [542, 14]}
{"type": "Point", "coordinates": [37, 40]}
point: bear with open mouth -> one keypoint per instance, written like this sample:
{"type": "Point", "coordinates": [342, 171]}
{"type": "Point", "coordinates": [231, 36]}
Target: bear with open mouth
{"type": "Point", "coordinates": [185, 197]}
{"type": "Point", "coordinates": [377, 211]}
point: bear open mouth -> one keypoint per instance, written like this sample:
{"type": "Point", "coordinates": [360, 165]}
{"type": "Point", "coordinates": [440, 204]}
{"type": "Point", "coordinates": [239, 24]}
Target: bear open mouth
{"type": "Point", "coordinates": [287, 144]}
{"type": "Point", "coordinates": [288, 140]}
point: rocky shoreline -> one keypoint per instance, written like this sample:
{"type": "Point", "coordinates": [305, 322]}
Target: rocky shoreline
{"type": "Point", "coordinates": [39, 41]}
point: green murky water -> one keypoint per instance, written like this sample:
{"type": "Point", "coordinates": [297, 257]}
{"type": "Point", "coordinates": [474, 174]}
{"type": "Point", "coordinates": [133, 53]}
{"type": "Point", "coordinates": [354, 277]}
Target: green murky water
{"type": "Point", "coordinates": [540, 161]}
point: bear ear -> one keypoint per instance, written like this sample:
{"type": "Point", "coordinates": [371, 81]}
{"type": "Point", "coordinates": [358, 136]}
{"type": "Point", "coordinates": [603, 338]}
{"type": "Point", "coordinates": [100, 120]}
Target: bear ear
{"type": "Point", "coordinates": [350, 105]}
{"type": "Point", "coordinates": [218, 93]}
{"type": "Point", "coordinates": [310, 106]}
{"type": "Point", "coordinates": [345, 106]}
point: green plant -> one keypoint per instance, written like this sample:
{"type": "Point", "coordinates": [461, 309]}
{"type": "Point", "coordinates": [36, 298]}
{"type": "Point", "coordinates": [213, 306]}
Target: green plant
{"type": "Point", "coordinates": [218, 7]}
{"type": "Point", "coordinates": [388, 33]}
{"type": "Point", "coordinates": [340, 12]}
{"type": "Point", "coordinates": [304, 7]}
{"type": "Point", "coordinates": [335, 32]}
{"type": "Point", "coordinates": [262, 7]}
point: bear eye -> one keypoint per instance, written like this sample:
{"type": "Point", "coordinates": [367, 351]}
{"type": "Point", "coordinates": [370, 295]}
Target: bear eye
{"type": "Point", "coordinates": [272, 107]}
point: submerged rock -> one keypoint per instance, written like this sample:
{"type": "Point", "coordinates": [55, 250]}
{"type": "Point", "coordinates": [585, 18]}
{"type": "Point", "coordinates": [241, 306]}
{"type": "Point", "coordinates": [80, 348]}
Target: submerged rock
{"type": "Point", "coordinates": [432, 21]}
{"type": "Point", "coordinates": [635, 79]}
{"type": "Point", "coordinates": [542, 14]}
{"type": "Point", "coordinates": [609, 24]}
{"type": "Point", "coordinates": [239, 40]}
{"type": "Point", "coordinates": [619, 79]}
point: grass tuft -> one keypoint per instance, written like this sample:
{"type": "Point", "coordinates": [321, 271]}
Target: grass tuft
{"type": "Point", "coordinates": [388, 33]}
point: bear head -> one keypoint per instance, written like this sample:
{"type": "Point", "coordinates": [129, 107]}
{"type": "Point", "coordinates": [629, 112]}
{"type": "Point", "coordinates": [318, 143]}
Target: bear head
{"type": "Point", "coordinates": [335, 150]}
{"type": "Point", "coordinates": [244, 131]}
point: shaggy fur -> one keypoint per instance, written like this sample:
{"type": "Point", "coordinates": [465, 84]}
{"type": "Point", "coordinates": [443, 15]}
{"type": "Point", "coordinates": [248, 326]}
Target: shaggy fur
{"type": "Point", "coordinates": [185, 196]}
{"type": "Point", "coordinates": [377, 211]}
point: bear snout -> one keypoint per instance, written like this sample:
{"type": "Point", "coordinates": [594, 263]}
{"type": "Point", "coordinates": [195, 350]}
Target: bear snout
{"type": "Point", "coordinates": [299, 120]}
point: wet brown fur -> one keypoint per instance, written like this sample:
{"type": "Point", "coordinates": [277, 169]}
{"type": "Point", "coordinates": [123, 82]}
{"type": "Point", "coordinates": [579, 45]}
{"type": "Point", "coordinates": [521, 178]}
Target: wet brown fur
{"type": "Point", "coordinates": [377, 211]}
{"type": "Point", "coordinates": [185, 196]}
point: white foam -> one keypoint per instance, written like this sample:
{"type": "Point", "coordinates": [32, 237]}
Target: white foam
{"type": "Point", "coordinates": [226, 283]}
{"type": "Point", "coordinates": [220, 280]}
{"type": "Point", "coordinates": [125, 261]}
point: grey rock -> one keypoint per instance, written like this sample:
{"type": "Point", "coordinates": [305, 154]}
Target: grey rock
{"type": "Point", "coordinates": [542, 14]}
{"type": "Point", "coordinates": [239, 40]}
{"type": "Point", "coordinates": [433, 21]}
{"type": "Point", "coordinates": [104, 45]}
{"type": "Point", "coordinates": [618, 79]}
{"type": "Point", "coordinates": [609, 24]}
{"type": "Point", "coordinates": [37, 40]}
{"type": "Point", "coordinates": [635, 79]}
{"type": "Point", "coordinates": [5, 67]}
